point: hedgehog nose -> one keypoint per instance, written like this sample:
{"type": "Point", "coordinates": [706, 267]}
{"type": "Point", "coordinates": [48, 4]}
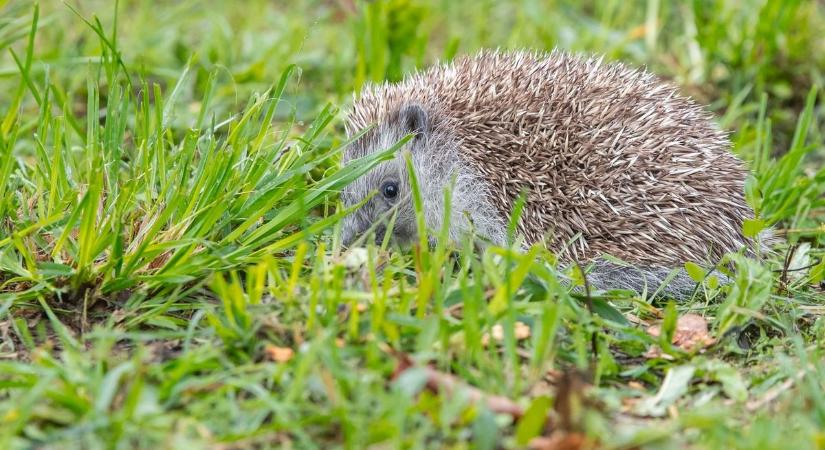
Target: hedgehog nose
{"type": "Point", "coordinates": [348, 236]}
{"type": "Point", "coordinates": [380, 232]}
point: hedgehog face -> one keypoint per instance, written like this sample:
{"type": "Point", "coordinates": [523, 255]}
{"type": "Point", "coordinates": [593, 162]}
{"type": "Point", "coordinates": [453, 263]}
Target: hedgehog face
{"type": "Point", "coordinates": [387, 185]}
{"type": "Point", "coordinates": [389, 188]}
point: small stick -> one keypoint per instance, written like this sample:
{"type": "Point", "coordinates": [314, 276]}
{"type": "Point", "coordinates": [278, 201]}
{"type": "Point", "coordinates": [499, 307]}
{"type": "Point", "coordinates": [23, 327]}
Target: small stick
{"type": "Point", "coordinates": [776, 391]}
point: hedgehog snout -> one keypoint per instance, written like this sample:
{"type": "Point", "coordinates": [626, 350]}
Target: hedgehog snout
{"type": "Point", "coordinates": [380, 232]}
{"type": "Point", "coordinates": [350, 230]}
{"type": "Point", "coordinates": [355, 225]}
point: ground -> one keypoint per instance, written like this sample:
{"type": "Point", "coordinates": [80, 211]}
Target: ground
{"type": "Point", "coordinates": [171, 274]}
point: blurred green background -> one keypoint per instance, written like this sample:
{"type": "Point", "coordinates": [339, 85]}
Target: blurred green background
{"type": "Point", "coordinates": [725, 53]}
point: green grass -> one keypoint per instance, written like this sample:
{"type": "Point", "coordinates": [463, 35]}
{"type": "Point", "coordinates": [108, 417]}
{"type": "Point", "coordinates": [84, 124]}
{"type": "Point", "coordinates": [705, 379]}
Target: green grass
{"type": "Point", "coordinates": [171, 274]}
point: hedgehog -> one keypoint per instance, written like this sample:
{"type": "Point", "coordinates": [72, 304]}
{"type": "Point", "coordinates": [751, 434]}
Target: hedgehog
{"type": "Point", "coordinates": [619, 172]}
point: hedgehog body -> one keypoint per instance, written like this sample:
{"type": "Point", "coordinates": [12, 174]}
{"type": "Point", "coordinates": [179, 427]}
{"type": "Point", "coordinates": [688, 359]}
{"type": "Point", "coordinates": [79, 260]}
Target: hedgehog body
{"type": "Point", "coordinates": [612, 160]}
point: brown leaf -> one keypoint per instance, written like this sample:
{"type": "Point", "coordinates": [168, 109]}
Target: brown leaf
{"type": "Point", "coordinates": [521, 331]}
{"type": "Point", "coordinates": [278, 354]}
{"type": "Point", "coordinates": [691, 334]}
{"type": "Point", "coordinates": [636, 385]}
{"type": "Point", "coordinates": [559, 440]}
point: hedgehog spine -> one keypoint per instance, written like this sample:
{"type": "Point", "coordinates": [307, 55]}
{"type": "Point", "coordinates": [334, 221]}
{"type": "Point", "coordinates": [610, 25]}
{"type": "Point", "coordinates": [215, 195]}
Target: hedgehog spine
{"type": "Point", "coordinates": [604, 152]}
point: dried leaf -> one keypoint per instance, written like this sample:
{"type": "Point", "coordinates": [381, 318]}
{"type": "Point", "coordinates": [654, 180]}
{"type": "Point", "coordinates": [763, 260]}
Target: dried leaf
{"type": "Point", "coordinates": [521, 331]}
{"type": "Point", "coordinates": [691, 334]}
{"type": "Point", "coordinates": [278, 354]}
{"type": "Point", "coordinates": [636, 385]}
{"type": "Point", "coordinates": [560, 441]}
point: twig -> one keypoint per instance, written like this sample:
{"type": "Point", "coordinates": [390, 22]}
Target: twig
{"type": "Point", "coordinates": [776, 391]}
{"type": "Point", "coordinates": [449, 384]}
{"type": "Point", "coordinates": [783, 279]}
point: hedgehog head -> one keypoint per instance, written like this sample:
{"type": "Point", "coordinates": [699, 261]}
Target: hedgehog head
{"type": "Point", "coordinates": [387, 185]}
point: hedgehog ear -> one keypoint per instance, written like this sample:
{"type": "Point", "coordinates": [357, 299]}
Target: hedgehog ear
{"type": "Point", "coordinates": [414, 119]}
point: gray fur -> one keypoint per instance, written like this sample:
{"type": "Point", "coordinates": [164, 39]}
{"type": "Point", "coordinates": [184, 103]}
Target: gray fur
{"type": "Point", "coordinates": [668, 282]}
{"type": "Point", "coordinates": [439, 168]}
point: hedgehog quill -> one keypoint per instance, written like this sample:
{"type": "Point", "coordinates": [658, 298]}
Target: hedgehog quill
{"type": "Point", "coordinates": [612, 160]}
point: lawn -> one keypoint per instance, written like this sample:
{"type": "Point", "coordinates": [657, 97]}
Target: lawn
{"type": "Point", "coordinates": [171, 267]}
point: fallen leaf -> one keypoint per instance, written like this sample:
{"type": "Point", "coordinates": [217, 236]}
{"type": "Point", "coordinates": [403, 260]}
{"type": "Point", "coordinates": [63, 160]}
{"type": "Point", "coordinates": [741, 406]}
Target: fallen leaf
{"type": "Point", "coordinates": [279, 354]}
{"type": "Point", "coordinates": [559, 440]}
{"type": "Point", "coordinates": [636, 385]}
{"type": "Point", "coordinates": [521, 331]}
{"type": "Point", "coordinates": [629, 404]}
{"type": "Point", "coordinates": [691, 334]}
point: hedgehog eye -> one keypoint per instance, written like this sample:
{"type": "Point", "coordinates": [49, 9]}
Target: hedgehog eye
{"type": "Point", "coordinates": [390, 189]}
